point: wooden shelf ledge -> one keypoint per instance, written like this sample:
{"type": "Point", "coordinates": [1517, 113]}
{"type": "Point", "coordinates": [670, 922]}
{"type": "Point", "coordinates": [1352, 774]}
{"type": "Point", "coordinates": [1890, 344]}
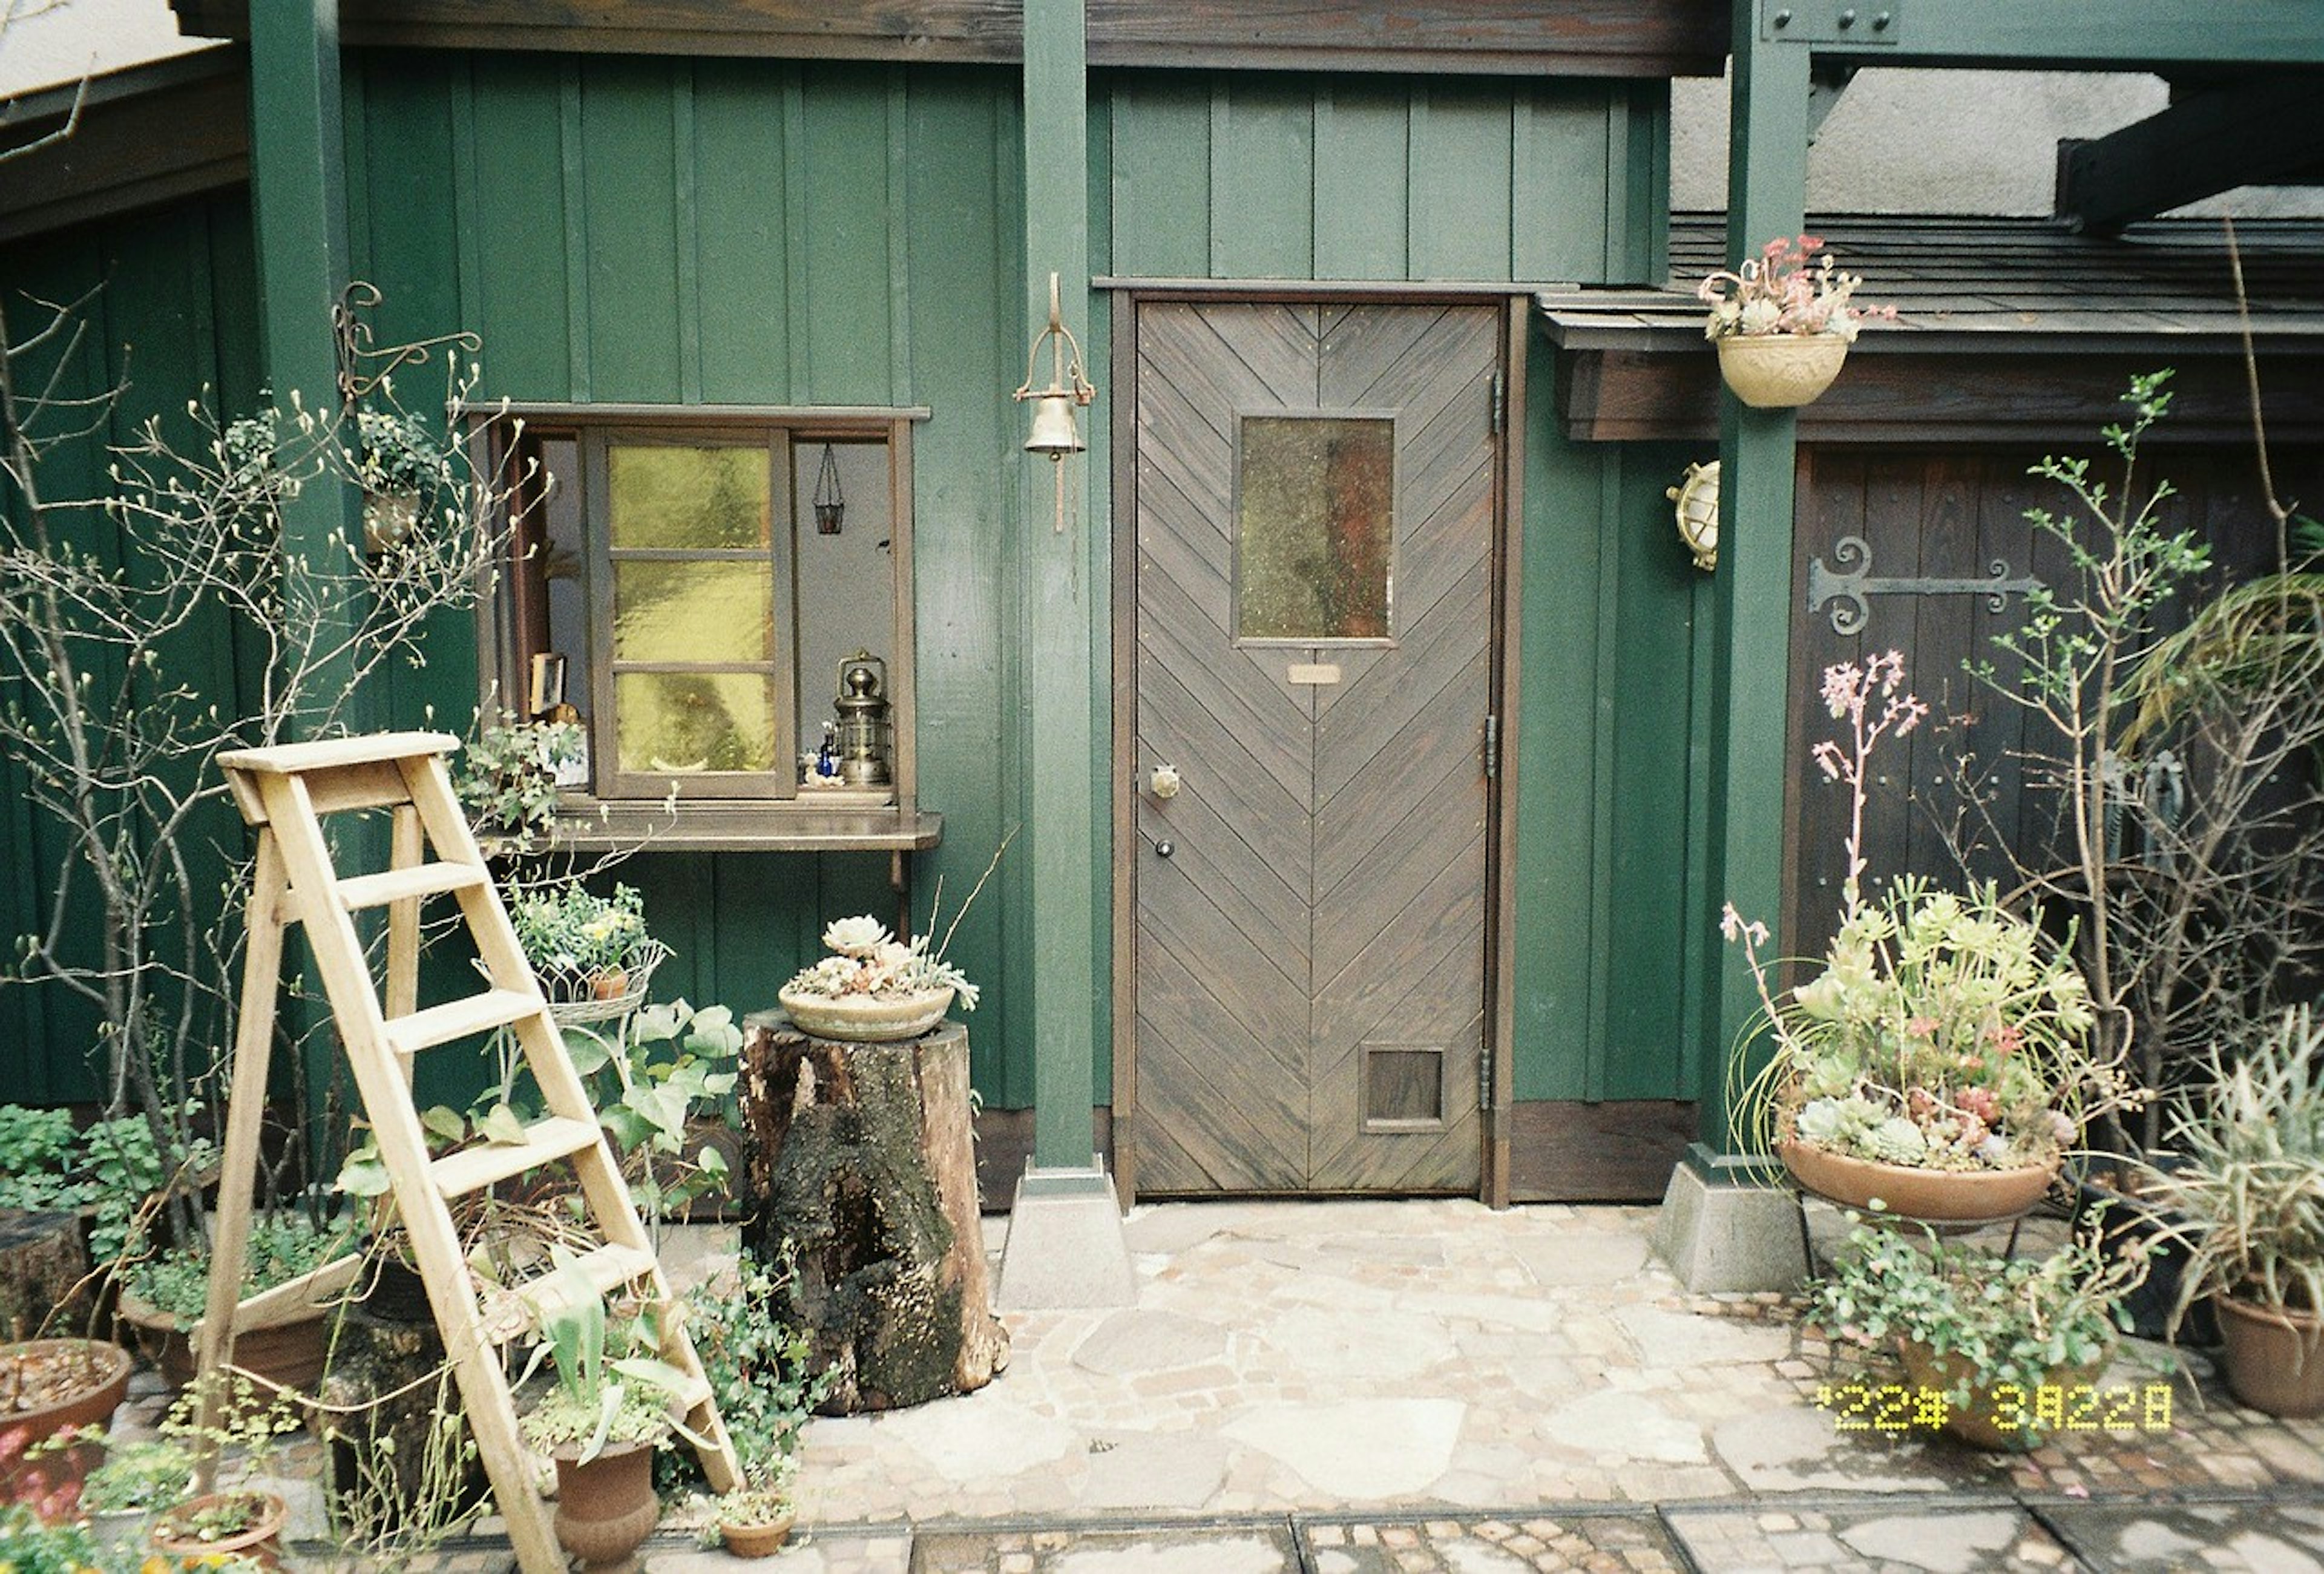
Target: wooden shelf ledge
{"type": "Point", "coordinates": [745, 827]}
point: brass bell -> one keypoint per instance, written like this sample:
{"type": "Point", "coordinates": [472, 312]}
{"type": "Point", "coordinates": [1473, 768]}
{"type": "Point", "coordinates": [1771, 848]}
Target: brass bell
{"type": "Point", "coordinates": [1054, 433]}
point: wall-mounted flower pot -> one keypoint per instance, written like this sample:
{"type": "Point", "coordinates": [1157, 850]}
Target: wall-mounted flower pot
{"type": "Point", "coordinates": [1780, 371]}
{"type": "Point", "coordinates": [388, 519]}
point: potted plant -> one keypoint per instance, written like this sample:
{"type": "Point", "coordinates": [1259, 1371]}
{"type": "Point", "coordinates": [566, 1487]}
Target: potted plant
{"type": "Point", "coordinates": [35, 1546]}
{"type": "Point", "coordinates": [1986, 1339]}
{"type": "Point", "coordinates": [107, 1171]}
{"type": "Point", "coordinates": [138, 1479]}
{"type": "Point", "coordinates": [52, 1388]}
{"type": "Point", "coordinates": [237, 1517]}
{"type": "Point", "coordinates": [586, 948]}
{"type": "Point", "coordinates": [163, 1296]}
{"type": "Point", "coordinates": [1782, 322]}
{"type": "Point", "coordinates": [1938, 1065]}
{"type": "Point", "coordinates": [398, 465]}
{"type": "Point", "coordinates": [507, 779]}
{"type": "Point", "coordinates": [2249, 1186]}
{"type": "Point", "coordinates": [602, 1418]}
{"type": "Point", "coordinates": [874, 988]}
{"type": "Point", "coordinates": [754, 1520]}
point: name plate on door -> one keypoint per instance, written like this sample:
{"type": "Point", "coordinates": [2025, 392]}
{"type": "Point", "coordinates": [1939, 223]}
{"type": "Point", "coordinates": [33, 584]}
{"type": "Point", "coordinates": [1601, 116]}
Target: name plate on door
{"type": "Point", "coordinates": [1315, 672]}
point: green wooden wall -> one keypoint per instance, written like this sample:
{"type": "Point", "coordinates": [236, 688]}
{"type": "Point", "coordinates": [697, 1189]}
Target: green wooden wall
{"type": "Point", "coordinates": [1610, 781]}
{"type": "Point", "coordinates": [669, 231]}
{"type": "Point", "coordinates": [168, 313]}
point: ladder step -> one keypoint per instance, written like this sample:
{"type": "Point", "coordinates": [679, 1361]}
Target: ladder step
{"type": "Point", "coordinates": [692, 1394]}
{"type": "Point", "coordinates": [459, 1019]}
{"type": "Point", "coordinates": [474, 1168]}
{"type": "Point", "coordinates": [607, 1268]}
{"type": "Point", "coordinates": [426, 879]}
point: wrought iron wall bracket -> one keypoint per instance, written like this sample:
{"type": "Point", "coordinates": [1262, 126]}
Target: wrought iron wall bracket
{"type": "Point", "coordinates": [1845, 588]}
{"type": "Point", "coordinates": [363, 366]}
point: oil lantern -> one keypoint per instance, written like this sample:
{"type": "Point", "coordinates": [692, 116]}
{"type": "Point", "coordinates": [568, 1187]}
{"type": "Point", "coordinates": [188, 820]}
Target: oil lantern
{"type": "Point", "coordinates": [863, 731]}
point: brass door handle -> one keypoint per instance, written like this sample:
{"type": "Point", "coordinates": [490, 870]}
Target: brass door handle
{"type": "Point", "coordinates": [1164, 782]}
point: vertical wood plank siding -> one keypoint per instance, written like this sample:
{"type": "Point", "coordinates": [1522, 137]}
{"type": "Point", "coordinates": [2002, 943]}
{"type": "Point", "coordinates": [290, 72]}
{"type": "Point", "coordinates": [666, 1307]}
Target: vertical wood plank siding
{"type": "Point", "coordinates": [737, 231]}
{"type": "Point", "coordinates": [1259, 177]}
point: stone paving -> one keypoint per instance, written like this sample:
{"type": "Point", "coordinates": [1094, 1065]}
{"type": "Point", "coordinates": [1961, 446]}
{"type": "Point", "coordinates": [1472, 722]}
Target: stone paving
{"type": "Point", "coordinates": [1431, 1387]}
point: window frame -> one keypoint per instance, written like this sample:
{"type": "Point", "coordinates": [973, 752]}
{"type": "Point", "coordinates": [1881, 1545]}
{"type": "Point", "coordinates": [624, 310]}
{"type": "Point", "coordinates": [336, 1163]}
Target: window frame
{"type": "Point", "coordinates": [749, 807]}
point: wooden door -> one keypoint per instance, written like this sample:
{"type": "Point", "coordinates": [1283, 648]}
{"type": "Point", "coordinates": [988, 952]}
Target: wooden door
{"type": "Point", "coordinates": [1316, 488]}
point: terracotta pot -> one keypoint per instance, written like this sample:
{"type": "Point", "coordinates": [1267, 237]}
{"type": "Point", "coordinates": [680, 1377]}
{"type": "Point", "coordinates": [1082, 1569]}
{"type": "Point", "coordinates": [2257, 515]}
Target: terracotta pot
{"type": "Point", "coordinates": [288, 1353]}
{"type": "Point", "coordinates": [2275, 1357]}
{"type": "Point", "coordinates": [256, 1541]}
{"type": "Point", "coordinates": [606, 1508]}
{"type": "Point", "coordinates": [1980, 1423]}
{"type": "Point", "coordinates": [90, 1400]}
{"type": "Point", "coordinates": [1780, 371]}
{"type": "Point", "coordinates": [610, 984]}
{"type": "Point", "coordinates": [866, 1018]}
{"type": "Point", "coordinates": [1931, 1196]}
{"type": "Point", "coordinates": [755, 1540]}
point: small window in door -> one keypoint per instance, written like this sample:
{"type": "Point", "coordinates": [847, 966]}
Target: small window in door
{"type": "Point", "coordinates": [1315, 527]}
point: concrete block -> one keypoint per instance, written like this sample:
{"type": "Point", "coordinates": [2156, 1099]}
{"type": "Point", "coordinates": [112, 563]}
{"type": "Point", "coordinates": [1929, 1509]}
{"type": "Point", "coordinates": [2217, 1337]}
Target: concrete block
{"type": "Point", "coordinates": [1722, 1229]}
{"type": "Point", "coordinates": [1065, 1248]}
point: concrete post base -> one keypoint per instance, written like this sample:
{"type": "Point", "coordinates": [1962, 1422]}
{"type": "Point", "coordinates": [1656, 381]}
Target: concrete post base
{"type": "Point", "coordinates": [1723, 1227]}
{"type": "Point", "coordinates": [1065, 1248]}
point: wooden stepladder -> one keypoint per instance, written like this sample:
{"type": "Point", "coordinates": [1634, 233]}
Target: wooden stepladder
{"type": "Point", "coordinates": [285, 792]}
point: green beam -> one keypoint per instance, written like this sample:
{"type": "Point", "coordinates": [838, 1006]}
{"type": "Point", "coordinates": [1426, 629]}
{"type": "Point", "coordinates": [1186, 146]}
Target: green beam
{"type": "Point", "coordinates": [2130, 33]}
{"type": "Point", "coordinates": [1056, 590]}
{"type": "Point", "coordinates": [2250, 133]}
{"type": "Point", "coordinates": [1766, 175]}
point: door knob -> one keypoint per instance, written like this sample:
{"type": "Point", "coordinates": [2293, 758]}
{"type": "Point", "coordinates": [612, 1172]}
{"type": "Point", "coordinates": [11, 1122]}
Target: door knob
{"type": "Point", "coordinates": [1164, 781]}
{"type": "Point", "coordinates": [1165, 848]}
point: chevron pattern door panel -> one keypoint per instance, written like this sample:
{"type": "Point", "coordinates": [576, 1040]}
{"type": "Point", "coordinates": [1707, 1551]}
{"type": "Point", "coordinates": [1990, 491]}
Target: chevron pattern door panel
{"type": "Point", "coordinates": [1315, 496]}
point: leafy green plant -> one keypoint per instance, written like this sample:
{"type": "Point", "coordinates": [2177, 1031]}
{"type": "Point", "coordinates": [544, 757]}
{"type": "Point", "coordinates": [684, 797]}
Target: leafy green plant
{"type": "Point", "coordinates": [2249, 1176]}
{"type": "Point", "coordinates": [281, 1247]}
{"type": "Point", "coordinates": [610, 1386]}
{"type": "Point", "coordinates": [758, 1366]}
{"type": "Point", "coordinates": [2007, 1320]}
{"type": "Point", "coordinates": [572, 935]}
{"type": "Point", "coordinates": [397, 454]}
{"type": "Point", "coordinates": [507, 776]}
{"type": "Point", "coordinates": [34, 1547]}
{"type": "Point", "coordinates": [137, 1473]}
{"type": "Point", "coordinates": [111, 1167]}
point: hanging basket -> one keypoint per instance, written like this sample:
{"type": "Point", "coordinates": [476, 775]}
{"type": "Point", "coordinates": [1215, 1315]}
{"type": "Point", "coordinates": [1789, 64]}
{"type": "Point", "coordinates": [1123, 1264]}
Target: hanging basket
{"type": "Point", "coordinates": [1780, 371]}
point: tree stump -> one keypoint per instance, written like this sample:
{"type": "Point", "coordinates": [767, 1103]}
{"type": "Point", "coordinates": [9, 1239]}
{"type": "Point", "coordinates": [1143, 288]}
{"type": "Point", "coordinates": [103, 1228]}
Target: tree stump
{"type": "Point", "coordinates": [43, 1274]}
{"type": "Point", "coordinates": [396, 1470]}
{"type": "Point", "coordinates": [863, 1170]}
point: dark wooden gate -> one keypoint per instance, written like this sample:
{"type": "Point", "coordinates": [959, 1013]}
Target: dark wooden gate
{"type": "Point", "coordinates": [1315, 496]}
{"type": "Point", "coordinates": [1929, 524]}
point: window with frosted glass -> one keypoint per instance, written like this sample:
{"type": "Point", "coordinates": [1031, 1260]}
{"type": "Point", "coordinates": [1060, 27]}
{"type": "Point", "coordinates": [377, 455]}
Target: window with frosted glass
{"type": "Point", "coordinates": [1315, 527]}
{"type": "Point", "coordinates": [695, 616]}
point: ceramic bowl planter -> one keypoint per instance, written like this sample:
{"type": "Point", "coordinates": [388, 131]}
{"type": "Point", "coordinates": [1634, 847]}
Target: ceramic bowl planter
{"type": "Point", "coordinates": [1931, 1196]}
{"type": "Point", "coordinates": [866, 1018]}
{"type": "Point", "coordinates": [238, 1523]}
{"type": "Point", "coordinates": [2275, 1357]}
{"type": "Point", "coordinates": [1780, 371]}
{"type": "Point", "coordinates": [47, 1385]}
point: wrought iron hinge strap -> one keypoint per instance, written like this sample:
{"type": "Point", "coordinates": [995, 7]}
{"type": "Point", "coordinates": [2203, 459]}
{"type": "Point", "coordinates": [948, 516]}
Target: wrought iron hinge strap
{"type": "Point", "coordinates": [1492, 747]}
{"type": "Point", "coordinates": [1845, 588]}
{"type": "Point", "coordinates": [1500, 401]}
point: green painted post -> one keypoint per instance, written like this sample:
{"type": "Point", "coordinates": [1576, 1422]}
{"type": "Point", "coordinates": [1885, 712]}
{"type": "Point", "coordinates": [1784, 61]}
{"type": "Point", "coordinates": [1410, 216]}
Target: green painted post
{"type": "Point", "coordinates": [298, 187]}
{"type": "Point", "coordinates": [1766, 187]}
{"type": "Point", "coordinates": [298, 183]}
{"type": "Point", "coordinates": [1055, 591]}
